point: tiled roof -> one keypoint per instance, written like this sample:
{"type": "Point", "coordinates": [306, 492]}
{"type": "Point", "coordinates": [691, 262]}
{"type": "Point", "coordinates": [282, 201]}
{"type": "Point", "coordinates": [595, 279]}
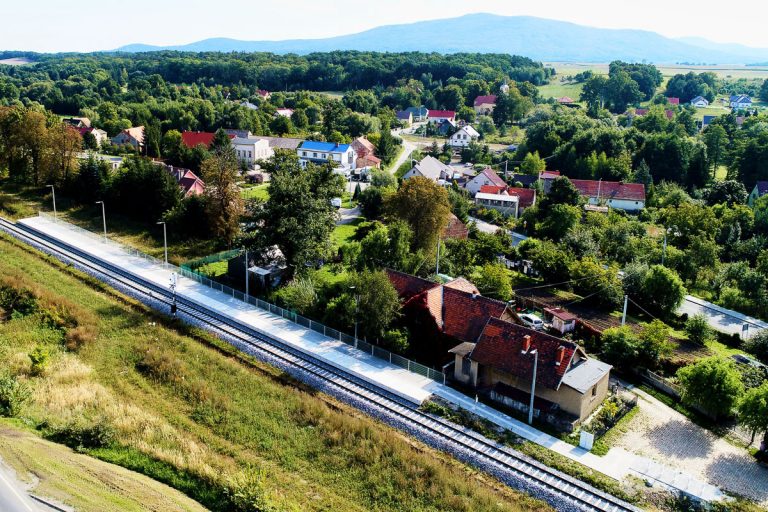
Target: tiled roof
{"type": "Point", "coordinates": [137, 132]}
{"type": "Point", "coordinates": [565, 99]}
{"type": "Point", "coordinates": [465, 314]}
{"type": "Point", "coordinates": [432, 168]}
{"type": "Point", "coordinates": [263, 93]}
{"type": "Point", "coordinates": [407, 285]}
{"type": "Point", "coordinates": [527, 196]}
{"type": "Point", "coordinates": [283, 142]}
{"type": "Point", "coordinates": [364, 143]}
{"type": "Point", "coordinates": [485, 100]}
{"type": "Point", "coordinates": [673, 101]}
{"type": "Point", "coordinates": [549, 175]}
{"type": "Point", "coordinates": [492, 189]}
{"type": "Point", "coordinates": [328, 147]}
{"type": "Point", "coordinates": [491, 176]}
{"type": "Point", "coordinates": [441, 113]}
{"type": "Point", "coordinates": [611, 189]}
{"type": "Point", "coordinates": [560, 313]}
{"type": "Point", "coordinates": [455, 229]}
{"type": "Point", "coordinates": [463, 284]}
{"type": "Point", "coordinates": [192, 139]}
{"type": "Point", "coordinates": [500, 347]}
{"type": "Point", "coordinates": [403, 115]}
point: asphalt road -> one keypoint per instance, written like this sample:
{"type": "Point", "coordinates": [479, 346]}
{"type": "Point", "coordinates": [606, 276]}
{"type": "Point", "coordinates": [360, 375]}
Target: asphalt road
{"type": "Point", "coordinates": [13, 495]}
{"type": "Point", "coordinates": [721, 319]}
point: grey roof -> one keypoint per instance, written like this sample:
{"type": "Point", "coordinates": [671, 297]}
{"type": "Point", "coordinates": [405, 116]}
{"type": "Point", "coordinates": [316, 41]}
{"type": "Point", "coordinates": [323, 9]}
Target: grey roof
{"type": "Point", "coordinates": [462, 349]}
{"type": "Point", "coordinates": [526, 179]}
{"type": "Point", "coordinates": [283, 142]}
{"type": "Point", "coordinates": [762, 188]}
{"type": "Point", "coordinates": [585, 373]}
{"type": "Point", "coordinates": [403, 114]}
{"type": "Point", "coordinates": [707, 120]}
{"type": "Point", "coordinates": [242, 134]}
{"type": "Point", "coordinates": [418, 111]}
{"type": "Point", "coordinates": [432, 168]}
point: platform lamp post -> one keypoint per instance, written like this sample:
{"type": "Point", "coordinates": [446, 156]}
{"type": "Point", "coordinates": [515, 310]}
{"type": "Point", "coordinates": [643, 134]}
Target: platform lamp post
{"type": "Point", "coordinates": [53, 195]}
{"type": "Point", "coordinates": [357, 307]}
{"type": "Point", "coordinates": [103, 219]}
{"type": "Point", "coordinates": [165, 241]}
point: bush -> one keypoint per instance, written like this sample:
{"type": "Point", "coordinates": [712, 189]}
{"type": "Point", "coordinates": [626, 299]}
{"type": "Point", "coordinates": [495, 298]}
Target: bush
{"type": "Point", "coordinates": [13, 395]}
{"type": "Point", "coordinates": [39, 358]}
{"type": "Point", "coordinates": [757, 345]}
{"type": "Point", "coordinates": [161, 364]}
{"type": "Point", "coordinates": [246, 493]}
{"type": "Point", "coordinates": [395, 340]}
{"type": "Point", "coordinates": [79, 336]}
{"type": "Point", "coordinates": [80, 435]}
{"type": "Point", "coordinates": [698, 329]}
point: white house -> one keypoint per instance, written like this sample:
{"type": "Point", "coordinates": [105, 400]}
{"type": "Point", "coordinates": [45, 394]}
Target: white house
{"type": "Point", "coordinates": [430, 168]}
{"type": "Point", "coordinates": [699, 102]}
{"type": "Point", "coordinates": [629, 197]}
{"type": "Point", "coordinates": [284, 112]}
{"type": "Point", "coordinates": [251, 149]}
{"type": "Point", "coordinates": [508, 205]}
{"type": "Point", "coordinates": [485, 178]}
{"type": "Point", "coordinates": [463, 137]}
{"type": "Point", "coordinates": [342, 155]}
{"type": "Point", "coordinates": [740, 101]}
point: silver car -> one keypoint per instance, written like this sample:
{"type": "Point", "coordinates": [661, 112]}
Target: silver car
{"type": "Point", "coordinates": [532, 321]}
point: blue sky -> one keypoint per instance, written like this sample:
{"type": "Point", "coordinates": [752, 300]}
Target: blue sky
{"type": "Point", "coordinates": [87, 25]}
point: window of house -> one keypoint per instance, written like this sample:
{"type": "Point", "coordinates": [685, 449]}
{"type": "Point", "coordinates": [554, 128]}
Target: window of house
{"type": "Point", "coordinates": [314, 155]}
{"type": "Point", "coordinates": [466, 366]}
{"type": "Point", "coordinates": [303, 153]}
{"type": "Point", "coordinates": [594, 391]}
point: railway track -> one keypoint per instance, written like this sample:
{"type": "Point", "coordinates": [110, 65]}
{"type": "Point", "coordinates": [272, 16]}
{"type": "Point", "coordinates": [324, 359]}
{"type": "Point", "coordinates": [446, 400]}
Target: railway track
{"type": "Point", "coordinates": [561, 490]}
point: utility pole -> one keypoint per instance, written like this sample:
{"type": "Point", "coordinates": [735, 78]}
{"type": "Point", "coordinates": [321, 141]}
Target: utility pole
{"type": "Point", "coordinates": [624, 314]}
{"type": "Point", "coordinates": [53, 194]}
{"type": "Point", "coordinates": [357, 307]}
{"type": "Point", "coordinates": [535, 353]}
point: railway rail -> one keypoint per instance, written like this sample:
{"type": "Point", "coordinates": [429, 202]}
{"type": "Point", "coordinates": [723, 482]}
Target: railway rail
{"type": "Point", "coordinates": [561, 490]}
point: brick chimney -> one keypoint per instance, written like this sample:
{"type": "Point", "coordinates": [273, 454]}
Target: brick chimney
{"type": "Point", "coordinates": [560, 355]}
{"type": "Point", "coordinates": [526, 343]}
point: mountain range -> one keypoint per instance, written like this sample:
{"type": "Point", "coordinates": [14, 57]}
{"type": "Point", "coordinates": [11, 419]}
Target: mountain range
{"type": "Point", "coordinates": [537, 38]}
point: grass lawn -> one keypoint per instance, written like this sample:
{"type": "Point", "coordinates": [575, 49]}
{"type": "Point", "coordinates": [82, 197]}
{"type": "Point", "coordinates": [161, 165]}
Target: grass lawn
{"type": "Point", "coordinates": [60, 475]}
{"type": "Point", "coordinates": [558, 90]}
{"type": "Point", "coordinates": [186, 409]}
{"type": "Point", "coordinates": [257, 192]}
{"type": "Point", "coordinates": [345, 233]}
{"type": "Point", "coordinates": [215, 269]}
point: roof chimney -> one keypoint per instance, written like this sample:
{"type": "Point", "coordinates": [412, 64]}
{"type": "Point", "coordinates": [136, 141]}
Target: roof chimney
{"type": "Point", "coordinates": [560, 355]}
{"type": "Point", "coordinates": [526, 343]}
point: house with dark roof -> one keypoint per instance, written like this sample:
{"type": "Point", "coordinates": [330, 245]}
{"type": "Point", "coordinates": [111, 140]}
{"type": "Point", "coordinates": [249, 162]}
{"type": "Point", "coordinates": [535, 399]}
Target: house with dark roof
{"type": "Point", "coordinates": [629, 197]}
{"type": "Point", "coordinates": [740, 101]}
{"type": "Point", "coordinates": [700, 102]}
{"type": "Point", "coordinates": [760, 189]}
{"type": "Point", "coordinates": [404, 117]}
{"type": "Point", "coordinates": [419, 113]}
{"type": "Point", "coordinates": [707, 120]}
{"type": "Point", "coordinates": [484, 105]}
{"type": "Point", "coordinates": [494, 355]}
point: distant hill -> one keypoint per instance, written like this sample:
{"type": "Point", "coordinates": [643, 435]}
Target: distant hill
{"type": "Point", "coordinates": [537, 38]}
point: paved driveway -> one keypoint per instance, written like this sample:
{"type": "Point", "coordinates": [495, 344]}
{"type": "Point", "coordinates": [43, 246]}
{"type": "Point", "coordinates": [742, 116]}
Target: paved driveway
{"type": "Point", "coordinates": [666, 436]}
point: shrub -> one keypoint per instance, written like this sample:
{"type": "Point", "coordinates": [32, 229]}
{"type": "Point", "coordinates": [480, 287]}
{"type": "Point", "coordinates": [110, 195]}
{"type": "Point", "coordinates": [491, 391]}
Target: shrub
{"type": "Point", "coordinates": [80, 434]}
{"type": "Point", "coordinates": [79, 336]}
{"type": "Point", "coordinates": [757, 345]}
{"type": "Point", "coordinates": [13, 395]}
{"type": "Point", "coordinates": [698, 329]}
{"type": "Point", "coordinates": [39, 358]}
{"type": "Point", "coordinates": [245, 492]}
{"type": "Point", "coordinates": [396, 340]}
{"type": "Point", "coordinates": [161, 364]}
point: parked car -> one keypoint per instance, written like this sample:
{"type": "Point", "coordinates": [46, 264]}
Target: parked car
{"type": "Point", "coordinates": [532, 321]}
{"type": "Point", "coordinates": [336, 202]}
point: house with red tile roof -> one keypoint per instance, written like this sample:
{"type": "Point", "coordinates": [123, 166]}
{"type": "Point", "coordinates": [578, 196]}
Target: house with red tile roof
{"type": "Point", "coordinates": [263, 94]}
{"type": "Point", "coordinates": [484, 105]}
{"type": "Point", "coordinates": [629, 197]}
{"type": "Point", "coordinates": [190, 183]}
{"type": "Point", "coordinates": [565, 100]}
{"type": "Point", "coordinates": [673, 100]}
{"type": "Point", "coordinates": [487, 177]}
{"type": "Point", "coordinates": [501, 364]}
{"type": "Point", "coordinates": [495, 355]}
{"type": "Point", "coordinates": [366, 153]}
{"type": "Point", "coordinates": [507, 200]}
{"type": "Point", "coordinates": [438, 116]}
{"type": "Point", "coordinates": [192, 139]}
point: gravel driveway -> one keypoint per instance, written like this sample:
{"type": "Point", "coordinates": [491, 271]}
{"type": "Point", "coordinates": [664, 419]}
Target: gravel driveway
{"type": "Point", "coordinates": [668, 437]}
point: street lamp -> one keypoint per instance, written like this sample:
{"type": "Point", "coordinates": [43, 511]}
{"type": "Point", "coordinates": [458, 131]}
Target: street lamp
{"type": "Point", "coordinates": [103, 218]}
{"type": "Point", "coordinates": [165, 242]}
{"type": "Point", "coordinates": [535, 354]}
{"type": "Point", "coordinates": [53, 194]}
{"type": "Point", "coordinates": [357, 307]}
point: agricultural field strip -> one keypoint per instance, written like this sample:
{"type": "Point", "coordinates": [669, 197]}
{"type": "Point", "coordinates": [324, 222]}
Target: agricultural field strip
{"type": "Point", "coordinates": [579, 494]}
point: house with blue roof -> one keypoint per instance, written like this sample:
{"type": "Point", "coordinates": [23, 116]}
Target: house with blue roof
{"type": "Point", "coordinates": [740, 101]}
{"type": "Point", "coordinates": [341, 155]}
